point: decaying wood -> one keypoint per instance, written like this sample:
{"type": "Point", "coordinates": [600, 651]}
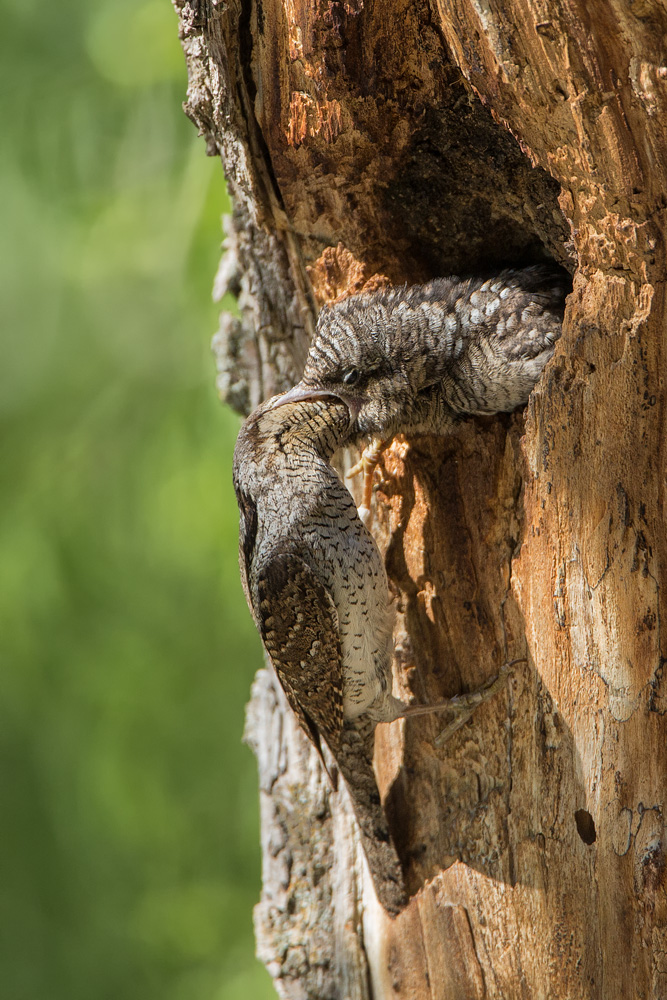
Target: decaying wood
{"type": "Point", "coordinates": [384, 140]}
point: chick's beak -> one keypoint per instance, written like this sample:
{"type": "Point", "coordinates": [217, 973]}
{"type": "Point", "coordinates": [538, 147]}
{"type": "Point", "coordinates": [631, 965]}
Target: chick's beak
{"type": "Point", "coordinates": [301, 392]}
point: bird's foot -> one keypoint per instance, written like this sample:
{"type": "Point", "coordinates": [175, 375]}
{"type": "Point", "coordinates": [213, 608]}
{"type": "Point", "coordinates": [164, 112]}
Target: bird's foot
{"type": "Point", "coordinates": [461, 706]}
{"type": "Point", "coordinates": [366, 466]}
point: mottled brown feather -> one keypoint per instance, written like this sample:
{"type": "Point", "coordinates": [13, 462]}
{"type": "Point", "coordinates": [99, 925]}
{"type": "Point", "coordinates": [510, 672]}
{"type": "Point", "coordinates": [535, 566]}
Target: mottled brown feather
{"type": "Point", "coordinates": [299, 626]}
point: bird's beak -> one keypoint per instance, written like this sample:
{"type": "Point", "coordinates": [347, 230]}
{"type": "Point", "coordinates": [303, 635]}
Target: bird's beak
{"type": "Point", "coordinates": [302, 392]}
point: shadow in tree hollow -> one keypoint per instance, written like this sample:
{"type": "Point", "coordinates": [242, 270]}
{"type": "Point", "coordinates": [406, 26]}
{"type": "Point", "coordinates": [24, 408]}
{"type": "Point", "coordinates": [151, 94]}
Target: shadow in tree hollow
{"type": "Point", "coordinates": [453, 510]}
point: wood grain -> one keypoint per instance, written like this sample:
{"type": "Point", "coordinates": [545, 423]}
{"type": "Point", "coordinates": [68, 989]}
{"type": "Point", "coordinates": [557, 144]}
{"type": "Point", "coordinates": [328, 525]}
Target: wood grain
{"type": "Point", "coordinates": [375, 140]}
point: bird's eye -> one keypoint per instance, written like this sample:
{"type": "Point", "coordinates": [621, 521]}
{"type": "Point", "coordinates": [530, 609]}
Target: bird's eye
{"type": "Point", "coordinates": [351, 377]}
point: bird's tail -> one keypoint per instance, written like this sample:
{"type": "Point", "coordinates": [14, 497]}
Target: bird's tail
{"type": "Point", "coordinates": [355, 764]}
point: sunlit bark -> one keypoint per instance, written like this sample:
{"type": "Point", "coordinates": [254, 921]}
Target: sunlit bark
{"type": "Point", "coordinates": [375, 140]}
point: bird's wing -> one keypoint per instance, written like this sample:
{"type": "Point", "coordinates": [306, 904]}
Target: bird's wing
{"type": "Point", "coordinates": [532, 313]}
{"type": "Point", "coordinates": [299, 626]}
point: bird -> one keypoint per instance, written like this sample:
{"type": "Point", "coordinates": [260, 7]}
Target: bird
{"type": "Point", "coordinates": [316, 586]}
{"type": "Point", "coordinates": [415, 359]}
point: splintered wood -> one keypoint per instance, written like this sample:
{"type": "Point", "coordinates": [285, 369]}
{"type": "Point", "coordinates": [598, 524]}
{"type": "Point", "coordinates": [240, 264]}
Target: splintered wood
{"type": "Point", "coordinates": [400, 140]}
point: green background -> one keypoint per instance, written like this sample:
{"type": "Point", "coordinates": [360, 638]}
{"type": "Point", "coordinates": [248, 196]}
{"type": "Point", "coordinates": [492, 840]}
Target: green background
{"type": "Point", "coordinates": [129, 860]}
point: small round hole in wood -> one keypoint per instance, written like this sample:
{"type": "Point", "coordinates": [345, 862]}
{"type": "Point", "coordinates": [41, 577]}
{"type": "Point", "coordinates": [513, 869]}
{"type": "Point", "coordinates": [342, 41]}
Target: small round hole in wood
{"type": "Point", "coordinates": [585, 826]}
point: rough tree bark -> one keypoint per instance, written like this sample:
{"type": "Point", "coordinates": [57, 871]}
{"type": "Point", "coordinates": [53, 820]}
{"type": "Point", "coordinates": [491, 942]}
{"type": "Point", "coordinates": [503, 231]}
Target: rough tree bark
{"type": "Point", "coordinates": [395, 140]}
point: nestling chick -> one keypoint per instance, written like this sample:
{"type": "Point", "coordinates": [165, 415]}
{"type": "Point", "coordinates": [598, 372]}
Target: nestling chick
{"type": "Point", "coordinates": [316, 585]}
{"type": "Point", "coordinates": [413, 359]}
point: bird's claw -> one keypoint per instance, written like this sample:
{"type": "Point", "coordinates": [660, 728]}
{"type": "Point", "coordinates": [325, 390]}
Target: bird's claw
{"type": "Point", "coordinates": [357, 468]}
{"type": "Point", "coordinates": [367, 465]}
{"type": "Point", "coordinates": [465, 704]}
{"type": "Point", "coordinates": [368, 459]}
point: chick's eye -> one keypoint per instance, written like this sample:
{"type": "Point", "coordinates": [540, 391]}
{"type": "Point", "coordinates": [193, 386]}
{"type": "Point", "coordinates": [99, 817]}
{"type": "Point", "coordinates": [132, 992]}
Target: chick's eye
{"type": "Point", "coordinates": [351, 377]}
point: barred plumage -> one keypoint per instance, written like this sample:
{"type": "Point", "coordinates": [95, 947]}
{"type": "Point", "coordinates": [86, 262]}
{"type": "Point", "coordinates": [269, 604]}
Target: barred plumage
{"type": "Point", "coordinates": [416, 359]}
{"type": "Point", "coordinates": [316, 585]}
{"type": "Point", "coordinates": [412, 359]}
{"type": "Point", "coordinates": [317, 588]}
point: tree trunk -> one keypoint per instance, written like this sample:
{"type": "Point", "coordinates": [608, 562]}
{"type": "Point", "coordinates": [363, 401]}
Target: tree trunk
{"type": "Point", "coordinates": [369, 141]}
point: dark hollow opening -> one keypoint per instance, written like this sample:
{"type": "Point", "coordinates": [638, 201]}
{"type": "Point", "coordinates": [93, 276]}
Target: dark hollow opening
{"type": "Point", "coordinates": [585, 826]}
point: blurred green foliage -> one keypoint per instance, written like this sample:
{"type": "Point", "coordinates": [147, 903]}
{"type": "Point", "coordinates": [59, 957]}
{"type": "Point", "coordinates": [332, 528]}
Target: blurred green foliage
{"type": "Point", "coordinates": [129, 859]}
